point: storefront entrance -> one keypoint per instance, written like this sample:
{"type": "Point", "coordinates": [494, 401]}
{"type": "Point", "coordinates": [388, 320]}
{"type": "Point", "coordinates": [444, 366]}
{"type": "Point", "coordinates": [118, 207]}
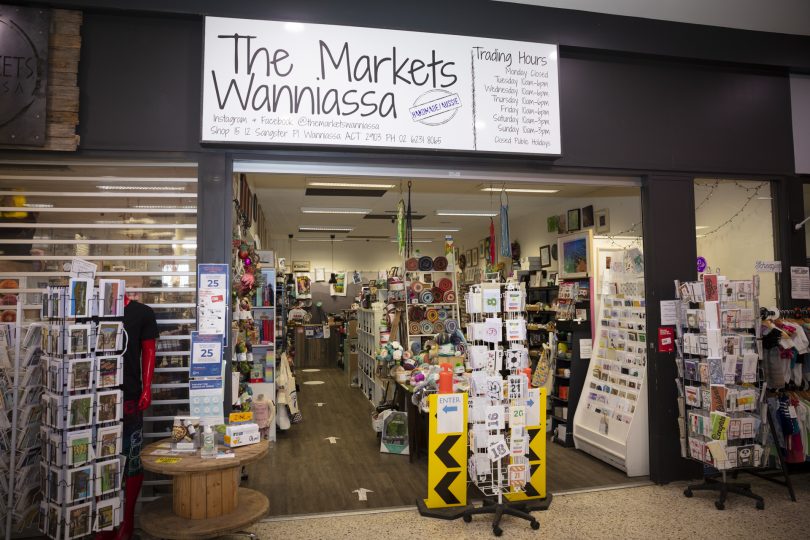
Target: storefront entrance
{"type": "Point", "coordinates": [318, 225]}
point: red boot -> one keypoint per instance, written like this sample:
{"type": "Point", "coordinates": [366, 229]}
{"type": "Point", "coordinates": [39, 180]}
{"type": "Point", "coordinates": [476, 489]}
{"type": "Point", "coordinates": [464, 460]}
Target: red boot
{"type": "Point", "coordinates": [131, 492]}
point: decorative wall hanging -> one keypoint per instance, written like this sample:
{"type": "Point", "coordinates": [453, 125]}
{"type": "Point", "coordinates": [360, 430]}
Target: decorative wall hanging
{"type": "Point", "coordinates": [587, 217]}
{"type": "Point", "coordinates": [574, 220]}
{"type": "Point", "coordinates": [602, 218]}
{"type": "Point", "coordinates": [545, 256]}
{"type": "Point", "coordinates": [575, 255]}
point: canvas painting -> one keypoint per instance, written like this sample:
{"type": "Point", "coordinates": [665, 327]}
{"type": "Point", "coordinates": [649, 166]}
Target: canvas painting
{"type": "Point", "coordinates": [575, 255]}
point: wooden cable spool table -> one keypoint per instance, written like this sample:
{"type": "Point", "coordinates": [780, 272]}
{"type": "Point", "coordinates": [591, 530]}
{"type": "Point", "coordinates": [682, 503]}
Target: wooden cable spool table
{"type": "Point", "coordinates": [206, 500]}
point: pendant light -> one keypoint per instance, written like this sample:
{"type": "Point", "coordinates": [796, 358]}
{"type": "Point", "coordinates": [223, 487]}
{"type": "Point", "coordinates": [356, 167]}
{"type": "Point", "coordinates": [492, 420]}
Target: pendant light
{"type": "Point", "coordinates": [333, 276]}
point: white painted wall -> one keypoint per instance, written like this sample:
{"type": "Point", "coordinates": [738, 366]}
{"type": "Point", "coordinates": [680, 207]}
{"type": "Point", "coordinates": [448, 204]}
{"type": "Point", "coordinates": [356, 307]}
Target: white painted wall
{"type": "Point", "coordinates": [736, 247]}
{"type": "Point", "coordinates": [531, 231]}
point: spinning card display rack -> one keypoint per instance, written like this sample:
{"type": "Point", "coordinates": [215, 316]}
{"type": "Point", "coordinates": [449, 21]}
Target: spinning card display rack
{"type": "Point", "coordinates": [721, 399]}
{"type": "Point", "coordinates": [83, 340]}
{"type": "Point", "coordinates": [506, 464]}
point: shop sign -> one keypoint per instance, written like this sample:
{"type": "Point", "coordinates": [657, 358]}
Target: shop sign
{"type": "Point", "coordinates": [270, 82]}
{"type": "Point", "coordinates": [768, 266]}
{"type": "Point", "coordinates": [23, 75]}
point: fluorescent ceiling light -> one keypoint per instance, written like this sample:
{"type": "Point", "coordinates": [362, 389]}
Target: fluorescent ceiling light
{"type": "Point", "coordinates": [698, 227]}
{"type": "Point", "coordinates": [38, 205]}
{"type": "Point", "coordinates": [467, 213]}
{"type": "Point", "coordinates": [338, 228]}
{"type": "Point", "coordinates": [319, 240]}
{"type": "Point", "coordinates": [141, 188]}
{"type": "Point", "coordinates": [520, 190]}
{"type": "Point", "coordinates": [312, 210]}
{"type": "Point", "coordinates": [606, 237]}
{"type": "Point", "coordinates": [417, 241]}
{"type": "Point", "coordinates": [350, 185]}
{"type": "Point", "coordinates": [434, 229]}
{"type": "Point", "coordinates": [165, 207]}
{"type": "Point", "coordinates": [699, 235]}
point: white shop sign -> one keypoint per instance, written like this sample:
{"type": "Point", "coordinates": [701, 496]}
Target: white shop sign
{"type": "Point", "coordinates": [270, 82]}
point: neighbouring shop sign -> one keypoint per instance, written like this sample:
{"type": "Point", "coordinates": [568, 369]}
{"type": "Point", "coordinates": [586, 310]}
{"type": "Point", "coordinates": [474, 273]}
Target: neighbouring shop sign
{"type": "Point", "coordinates": [270, 82]}
{"type": "Point", "coordinates": [23, 75]}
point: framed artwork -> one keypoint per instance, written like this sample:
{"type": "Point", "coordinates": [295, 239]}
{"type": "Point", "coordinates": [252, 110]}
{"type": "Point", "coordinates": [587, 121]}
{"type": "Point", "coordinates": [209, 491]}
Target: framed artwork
{"type": "Point", "coordinates": [587, 217]}
{"type": "Point", "coordinates": [545, 256]}
{"type": "Point", "coordinates": [574, 220]}
{"type": "Point", "coordinates": [300, 266]}
{"type": "Point", "coordinates": [474, 260]}
{"type": "Point", "coordinates": [551, 224]}
{"type": "Point", "coordinates": [575, 255]}
{"type": "Point", "coordinates": [561, 224]}
{"type": "Point", "coordinates": [602, 220]}
{"type": "Point", "coordinates": [481, 247]}
{"type": "Point", "coordinates": [320, 274]}
{"type": "Point", "coordinates": [339, 287]}
{"type": "Point", "coordinates": [487, 244]}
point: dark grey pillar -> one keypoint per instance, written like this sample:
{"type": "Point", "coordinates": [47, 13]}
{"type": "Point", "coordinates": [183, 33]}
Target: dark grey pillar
{"type": "Point", "coordinates": [214, 215]}
{"type": "Point", "coordinates": [668, 210]}
{"type": "Point", "coordinates": [788, 210]}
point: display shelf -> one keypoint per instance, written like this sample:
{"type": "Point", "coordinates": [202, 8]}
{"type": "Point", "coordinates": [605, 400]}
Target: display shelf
{"type": "Point", "coordinates": [559, 418]}
{"type": "Point", "coordinates": [571, 332]}
{"type": "Point", "coordinates": [412, 299]}
{"type": "Point", "coordinates": [611, 420]}
{"type": "Point", "coordinates": [368, 341]}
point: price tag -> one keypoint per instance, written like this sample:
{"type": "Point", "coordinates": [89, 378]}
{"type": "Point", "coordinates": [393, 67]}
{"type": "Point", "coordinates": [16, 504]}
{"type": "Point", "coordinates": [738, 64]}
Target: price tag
{"type": "Point", "coordinates": [517, 415]}
{"type": "Point", "coordinates": [168, 460]}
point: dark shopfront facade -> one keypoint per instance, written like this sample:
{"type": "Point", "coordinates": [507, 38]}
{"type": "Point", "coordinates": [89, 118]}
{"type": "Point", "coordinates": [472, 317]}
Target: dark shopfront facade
{"type": "Point", "coordinates": [664, 101]}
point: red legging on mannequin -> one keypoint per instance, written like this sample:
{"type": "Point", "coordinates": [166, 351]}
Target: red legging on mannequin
{"type": "Point", "coordinates": [133, 483]}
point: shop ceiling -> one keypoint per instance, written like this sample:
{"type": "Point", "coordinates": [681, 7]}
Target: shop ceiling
{"type": "Point", "coordinates": [295, 202]}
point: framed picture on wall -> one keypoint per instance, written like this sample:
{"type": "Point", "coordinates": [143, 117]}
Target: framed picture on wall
{"type": "Point", "coordinates": [561, 224]}
{"type": "Point", "coordinates": [575, 255]}
{"type": "Point", "coordinates": [545, 256]}
{"type": "Point", "coordinates": [602, 220]}
{"type": "Point", "coordinates": [474, 259]}
{"type": "Point", "coordinates": [551, 224]}
{"type": "Point", "coordinates": [574, 220]}
{"type": "Point", "coordinates": [587, 217]}
{"type": "Point", "coordinates": [481, 247]}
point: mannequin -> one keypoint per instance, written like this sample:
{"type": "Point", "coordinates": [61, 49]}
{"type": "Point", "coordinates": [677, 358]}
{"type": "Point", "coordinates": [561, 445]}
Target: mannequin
{"type": "Point", "coordinates": [262, 415]}
{"type": "Point", "coordinates": [139, 368]}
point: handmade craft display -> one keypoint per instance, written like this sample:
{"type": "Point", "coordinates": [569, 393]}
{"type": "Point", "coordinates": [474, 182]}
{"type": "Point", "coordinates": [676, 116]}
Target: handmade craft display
{"type": "Point", "coordinates": [430, 293]}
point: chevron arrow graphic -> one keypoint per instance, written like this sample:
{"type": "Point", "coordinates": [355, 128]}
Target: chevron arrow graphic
{"type": "Point", "coordinates": [529, 489]}
{"type": "Point", "coordinates": [532, 434]}
{"type": "Point", "coordinates": [443, 452]}
{"type": "Point", "coordinates": [443, 487]}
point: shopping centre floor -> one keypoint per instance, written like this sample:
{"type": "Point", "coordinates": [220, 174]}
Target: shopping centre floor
{"type": "Point", "coordinates": [305, 473]}
{"type": "Point", "coordinates": [660, 512]}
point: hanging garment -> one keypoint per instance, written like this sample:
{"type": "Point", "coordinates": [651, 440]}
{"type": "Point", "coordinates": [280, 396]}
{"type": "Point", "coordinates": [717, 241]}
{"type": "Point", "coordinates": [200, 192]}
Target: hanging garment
{"type": "Point", "coordinates": [506, 244]}
{"type": "Point", "coordinates": [491, 253]}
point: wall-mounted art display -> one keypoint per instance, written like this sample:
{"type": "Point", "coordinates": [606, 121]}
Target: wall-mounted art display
{"type": "Point", "coordinates": [575, 255]}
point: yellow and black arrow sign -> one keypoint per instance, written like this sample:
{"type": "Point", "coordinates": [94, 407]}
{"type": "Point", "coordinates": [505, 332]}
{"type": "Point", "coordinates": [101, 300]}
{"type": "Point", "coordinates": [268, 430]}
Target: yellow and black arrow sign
{"type": "Point", "coordinates": [535, 488]}
{"type": "Point", "coordinates": [447, 451]}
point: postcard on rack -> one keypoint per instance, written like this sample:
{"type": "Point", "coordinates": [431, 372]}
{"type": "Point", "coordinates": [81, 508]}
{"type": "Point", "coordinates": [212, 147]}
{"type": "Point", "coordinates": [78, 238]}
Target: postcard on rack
{"type": "Point", "coordinates": [711, 312]}
{"type": "Point", "coordinates": [718, 397]}
{"type": "Point", "coordinates": [711, 288]}
{"type": "Point", "coordinates": [749, 367]}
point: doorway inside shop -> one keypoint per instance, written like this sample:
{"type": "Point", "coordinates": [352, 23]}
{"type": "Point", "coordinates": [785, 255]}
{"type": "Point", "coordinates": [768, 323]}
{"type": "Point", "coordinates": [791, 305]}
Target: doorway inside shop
{"type": "Point", "coordinates": [350, 322]}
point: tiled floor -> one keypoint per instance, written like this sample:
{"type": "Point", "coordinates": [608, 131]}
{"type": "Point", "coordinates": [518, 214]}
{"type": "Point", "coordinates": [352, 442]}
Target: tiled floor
{"type": "Point", "coordinates": [659, 512]}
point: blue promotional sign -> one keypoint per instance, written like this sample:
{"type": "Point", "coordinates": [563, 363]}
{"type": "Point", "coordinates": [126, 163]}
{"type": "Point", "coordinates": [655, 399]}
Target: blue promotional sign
{"type": "Point", "coordinates": [206, 355]}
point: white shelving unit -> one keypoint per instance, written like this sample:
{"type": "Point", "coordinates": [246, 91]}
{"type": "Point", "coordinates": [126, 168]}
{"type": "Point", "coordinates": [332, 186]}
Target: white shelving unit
{"type": "Point", "coordinates": [368, 341]}
{"type": "Point", "coordinates": [265, 349]}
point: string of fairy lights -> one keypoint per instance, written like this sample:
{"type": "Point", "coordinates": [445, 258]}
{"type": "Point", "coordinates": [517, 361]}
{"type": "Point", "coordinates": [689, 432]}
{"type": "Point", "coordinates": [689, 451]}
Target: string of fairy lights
{"type": "Point", "coordinates": [753, 192]}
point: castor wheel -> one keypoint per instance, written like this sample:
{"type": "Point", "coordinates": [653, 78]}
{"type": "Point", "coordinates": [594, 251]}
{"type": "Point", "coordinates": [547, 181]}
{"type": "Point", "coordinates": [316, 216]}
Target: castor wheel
{"type": "Point", "coordinates": [719, 505]}
{"type": "Point", "coordinates": [535, 525]}
{"type": "Point", "coordinates": [497, 531]}
{"type": "Point", "coordinates": [467, 518]}
{"type": "Point", "coordinates": [760, 505]}
{"type": "Point", "coordinates": [687, 492]}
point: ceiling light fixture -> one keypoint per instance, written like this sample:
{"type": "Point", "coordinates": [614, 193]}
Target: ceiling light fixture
{"type": "Point", "coordinates": [164, 207]}
{"type": "Point", "coordinates": [317, 240]}
{"type": "Point", "coordinates": [38, 205]}
{"type": "Point", "coordinates": [325, 228]}
{"type": "Point", "coordinates": [415, 241]}
{"type": "Point", "coordinates": [698, 227]}
{"type": "Point", "coordinates": [350, 185]}
{"type": "Point", "coordinates": [141, 188]}
{"type": "Point", "coordinates": [312, 210]}
{"type": "Point", "coordinates": [466, 213]}
{"type": "Point", "coordinates": [520, 190]}
{"type": "Point", "coordinates": [434, 229]}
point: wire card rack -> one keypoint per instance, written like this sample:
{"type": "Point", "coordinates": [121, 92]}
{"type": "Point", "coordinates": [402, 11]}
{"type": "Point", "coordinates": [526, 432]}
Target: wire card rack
{"type": "Point", "coordinates": [498, 462]}
{"type": "Point", "coordinates": [720, 395]}
{"type": "Point", "coordinates": [81, 430]}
